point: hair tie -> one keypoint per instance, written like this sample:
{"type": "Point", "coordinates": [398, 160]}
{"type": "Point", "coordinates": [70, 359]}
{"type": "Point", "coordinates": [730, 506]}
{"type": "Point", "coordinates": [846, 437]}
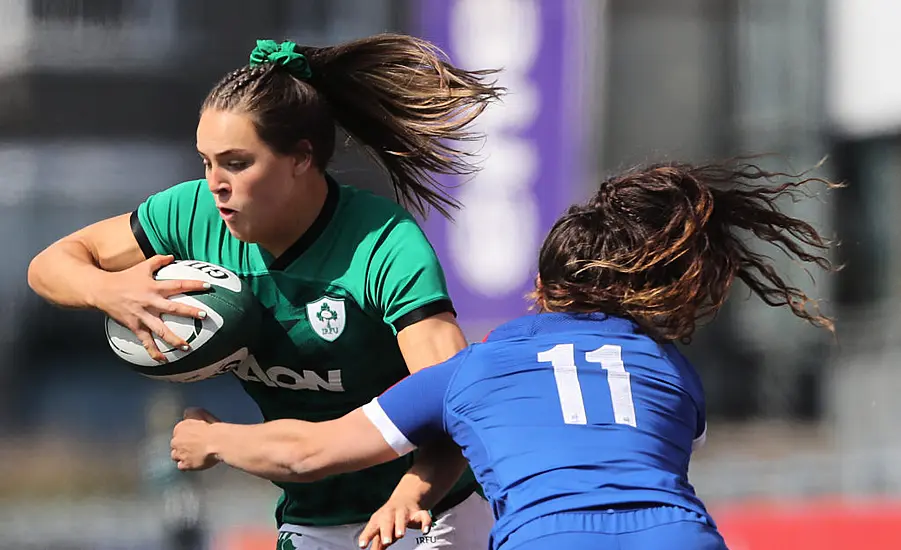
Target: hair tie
{"type": "Point", "coordinates": [284, 55]}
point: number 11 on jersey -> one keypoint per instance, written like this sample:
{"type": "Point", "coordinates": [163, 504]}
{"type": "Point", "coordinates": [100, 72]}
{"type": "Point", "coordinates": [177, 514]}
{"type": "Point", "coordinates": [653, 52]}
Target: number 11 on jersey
{"type": "Point", "coordinates": [609, 357]}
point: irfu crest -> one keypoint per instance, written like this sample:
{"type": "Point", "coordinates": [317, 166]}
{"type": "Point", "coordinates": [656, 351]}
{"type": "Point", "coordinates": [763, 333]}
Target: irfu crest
{"type": "Point", "coordinates": [326, 316]}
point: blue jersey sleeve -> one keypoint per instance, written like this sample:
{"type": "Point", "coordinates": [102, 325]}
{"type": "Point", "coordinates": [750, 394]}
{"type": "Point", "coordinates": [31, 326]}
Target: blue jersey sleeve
{"type": "Point", "coordinates": [412, 411]}
{"type": "Point", "coordinates": [695, 389]}
{"type": "Point", "coordinates": [701, 426]}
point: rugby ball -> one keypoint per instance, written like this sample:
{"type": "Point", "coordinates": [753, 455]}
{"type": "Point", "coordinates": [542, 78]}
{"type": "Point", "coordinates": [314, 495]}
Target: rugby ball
{"type": "Point", "coordinates": [218, 343]}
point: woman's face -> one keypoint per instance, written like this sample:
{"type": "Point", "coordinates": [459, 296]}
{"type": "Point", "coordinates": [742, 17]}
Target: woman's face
{"type": "Point", "coordinates": [251, 183]}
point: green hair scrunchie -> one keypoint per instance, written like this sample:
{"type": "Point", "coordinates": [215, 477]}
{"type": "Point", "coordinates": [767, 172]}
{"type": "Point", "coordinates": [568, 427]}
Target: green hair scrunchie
{"type": "Point", "coordinates": [284, 54]}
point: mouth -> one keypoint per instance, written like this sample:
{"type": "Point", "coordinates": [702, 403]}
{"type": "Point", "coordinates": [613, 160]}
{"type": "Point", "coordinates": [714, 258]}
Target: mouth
{"type": "Point", "coordinates": [227, 213]}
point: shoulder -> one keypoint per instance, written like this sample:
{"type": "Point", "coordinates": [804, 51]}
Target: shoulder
{"type": "Point", "coordinates": [182, 220]}
{"type": "Point", "coordinates": [376, 227]}
{"type": "Point", "coordinates": [490, 354]}
{"type": "Point", "coordinates": [373, 213]}
{"type": "Point", "coordinates": [685, 369]}
{"type": "Point", "coordinates": [192, 189]}
{"type": "Point", "coordinates": [463, 361]}
{"type": "Point", "coordinates": [370, 205]}
{"type": "Point", "coordinates": [182, 196]}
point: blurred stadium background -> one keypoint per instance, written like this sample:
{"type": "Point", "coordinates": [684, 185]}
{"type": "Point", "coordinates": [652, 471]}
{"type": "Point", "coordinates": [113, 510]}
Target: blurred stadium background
{"type": "Point", "coordinates": [98, 102]}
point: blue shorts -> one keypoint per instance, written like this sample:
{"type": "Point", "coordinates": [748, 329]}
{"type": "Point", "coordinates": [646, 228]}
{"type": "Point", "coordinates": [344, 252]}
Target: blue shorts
{"type": "Point", "coordinates": [655, 528]}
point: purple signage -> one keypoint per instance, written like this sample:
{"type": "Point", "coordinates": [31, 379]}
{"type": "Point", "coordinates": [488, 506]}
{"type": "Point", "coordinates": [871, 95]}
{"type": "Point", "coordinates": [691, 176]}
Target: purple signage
{"type": "Point", "coordinates": [532, 168]}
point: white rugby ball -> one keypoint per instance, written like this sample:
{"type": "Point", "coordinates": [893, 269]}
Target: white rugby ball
{"type": "Point", "coordinates": [218, 343]}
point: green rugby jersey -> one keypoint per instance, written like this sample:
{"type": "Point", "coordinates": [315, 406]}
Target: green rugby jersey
{"type": "Point", "coordinates": [333, 304]}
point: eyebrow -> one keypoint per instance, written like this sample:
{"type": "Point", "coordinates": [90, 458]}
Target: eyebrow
{"type": "Point", "coordinates": [226, 152]}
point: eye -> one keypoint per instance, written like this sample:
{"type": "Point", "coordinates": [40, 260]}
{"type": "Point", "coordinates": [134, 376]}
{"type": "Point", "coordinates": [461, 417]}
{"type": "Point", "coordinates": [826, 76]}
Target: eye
{"type": "Point", "coordinates": [206, 163]}
{"type": "Point", "coordinates": [237, 165]}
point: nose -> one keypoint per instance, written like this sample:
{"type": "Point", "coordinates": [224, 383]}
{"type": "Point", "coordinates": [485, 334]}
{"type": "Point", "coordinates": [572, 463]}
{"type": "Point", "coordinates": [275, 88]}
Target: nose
{"type": "Point", "coordinates": [217, 184]}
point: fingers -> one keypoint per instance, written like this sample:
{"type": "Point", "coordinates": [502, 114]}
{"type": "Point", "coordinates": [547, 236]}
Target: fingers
{"type": "Point", "coordinates": [157, 262]}
{"type": "Point", "coordinates": [386, 529]}
{"type": "Point", "coordinates": [194, 413]}
{"type": "Point", "coordinates": [155, 325]}
{"type": "Point", "coordinates": [164, 333]}
{"type": "Point", "coordinates": [181, 286]}
{"type": "Point", "coordinates": [400, 523]}
{"type": "Point", "coordinates": [178, 309]}
{"type": "Point", "coordinates": [198, 413]}
{"type": "Point", "coordinates": [379, 531]}
{"type": "Point", "coordinates": [177, 458]}
{"type": "Point", "coordinates": [368, 532]}
{"type": "Point", "coordinates": [422, 518]}
{"type": "Point", "coordinates": [146, 338]}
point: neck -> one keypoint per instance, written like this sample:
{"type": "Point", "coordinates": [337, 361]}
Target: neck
{"type": "Point", "coordinates": [298, 214]}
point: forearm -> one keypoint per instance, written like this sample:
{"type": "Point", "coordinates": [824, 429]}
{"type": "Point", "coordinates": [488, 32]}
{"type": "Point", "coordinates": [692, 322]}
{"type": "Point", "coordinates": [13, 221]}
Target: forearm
{"type": "Point", "coordinates": [65, 274]}
{"type": "Point", "coordinates": [278, 450]}
{"type": "Point", "coordinates": [437, 468]}
{"type": "Point", "coordinates": [440, 463]}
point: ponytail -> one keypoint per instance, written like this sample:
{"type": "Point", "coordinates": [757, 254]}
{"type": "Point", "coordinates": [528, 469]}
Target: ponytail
{"type": "Point", "coordinates": [662, 245]}
{"type": "Point", "coordinates": [396, 95]}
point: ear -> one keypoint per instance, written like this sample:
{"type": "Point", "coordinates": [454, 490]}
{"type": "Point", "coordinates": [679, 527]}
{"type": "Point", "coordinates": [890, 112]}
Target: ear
{"type": "Point", "coordinates": [303, 157]}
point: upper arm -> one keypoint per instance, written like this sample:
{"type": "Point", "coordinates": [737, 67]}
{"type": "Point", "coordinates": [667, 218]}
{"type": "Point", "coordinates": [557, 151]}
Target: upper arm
{"type": "Point", "coordinates": [163, 224]}
{"type": "Point", "coordinates": [430, 341]}
{"type": "Point", "coordinates": [411, 412]}
{"type": "Point", "coordinates": [695, 389]}
{"type": "Point", "coordinates": [700, 440]}
{"type": "Point", "coordinates": [404, 279]}
{"type": "Point", "coordinates": [406, 284]}
{"type": "Point", "coordinates": [692, 385]}
{"type": "Point", "coordinates": [110, 242]}
{"type": "Point", "coordinates": [160, 225]}
{"type": "Point", "coordinates": [701, 420]}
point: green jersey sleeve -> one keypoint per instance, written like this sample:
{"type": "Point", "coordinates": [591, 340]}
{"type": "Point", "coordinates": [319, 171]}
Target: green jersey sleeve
{"type": "Point", "coordinates": [405, 281]}
{"type": "Point", "coordinates": [163, 223]}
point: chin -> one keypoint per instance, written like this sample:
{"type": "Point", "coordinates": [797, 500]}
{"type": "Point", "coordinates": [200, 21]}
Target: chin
{"type": "Point", "coordinates": [241, 234]}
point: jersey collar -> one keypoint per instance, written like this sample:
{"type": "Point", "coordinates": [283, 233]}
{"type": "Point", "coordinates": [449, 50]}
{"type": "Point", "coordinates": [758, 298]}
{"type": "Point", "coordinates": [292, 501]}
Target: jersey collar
{"type": "Point", "coordinates": [542, 323]}
{"type": "Point", "coordinates": [310, 235]}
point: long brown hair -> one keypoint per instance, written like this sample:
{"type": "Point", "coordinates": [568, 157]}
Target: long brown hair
{"type": "Point", "coordinates": [396, 95]}
{"type": "Point", "coordinates": [662, 245]}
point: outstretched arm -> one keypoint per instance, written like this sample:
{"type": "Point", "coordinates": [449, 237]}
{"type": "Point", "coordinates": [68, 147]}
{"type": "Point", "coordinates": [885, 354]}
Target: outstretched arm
{"type": "Point", "coordinates": [390, 426]}
{"type": "Point", "coordinates": [281, 450]}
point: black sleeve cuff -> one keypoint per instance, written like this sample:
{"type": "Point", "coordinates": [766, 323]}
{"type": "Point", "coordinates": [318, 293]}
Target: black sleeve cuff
{"type": "Point", "coordinates": [424, 312]}
{"type": "Point", "coordinates": [141, 236]}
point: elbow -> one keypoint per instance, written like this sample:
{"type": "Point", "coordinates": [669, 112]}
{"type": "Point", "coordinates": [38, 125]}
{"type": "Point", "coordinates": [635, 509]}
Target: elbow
{"type": "Point", "coordinates": [40, 271]}
{"type": "Point", "coordinates": [35, 269]}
